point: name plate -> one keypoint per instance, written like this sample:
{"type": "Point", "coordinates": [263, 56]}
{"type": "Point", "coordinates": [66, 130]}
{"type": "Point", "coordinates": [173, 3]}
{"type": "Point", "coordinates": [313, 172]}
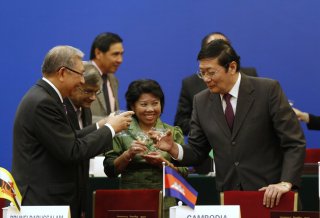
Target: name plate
{"type": "Point", "coordinates": [132, 214]}
{"type": "Point", "coordinates": [37, 212]}
{"type": "Point", "coordinates": [214, 211]}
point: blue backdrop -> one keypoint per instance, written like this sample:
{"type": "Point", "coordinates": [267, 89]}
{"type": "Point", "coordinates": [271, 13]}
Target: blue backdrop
{"type": "Point", "coordinates": [161, 39]}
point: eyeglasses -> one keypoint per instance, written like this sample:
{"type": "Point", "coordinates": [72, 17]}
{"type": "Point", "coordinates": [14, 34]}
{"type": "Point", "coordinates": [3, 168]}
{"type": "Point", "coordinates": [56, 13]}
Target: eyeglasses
{"type": "Point", "coordinates": [208, 74]}
{"type": "Point", "coordinates": [89, 92]}
{"type": "Point", "coordinates": [72, 70]}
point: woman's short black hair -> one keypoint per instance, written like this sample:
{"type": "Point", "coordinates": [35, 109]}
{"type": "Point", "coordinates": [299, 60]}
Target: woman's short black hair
{"type": "Point", "coordinates": [142, 86]}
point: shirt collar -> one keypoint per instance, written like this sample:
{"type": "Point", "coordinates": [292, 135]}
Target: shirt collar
{"type": "Point", "coordinates": [51, 84]}
{"type": "Point", "coordinates": [94, 63]}
{"type": "Point", "coordinates": [74, 107]}
{"type": "Point", "coordinates": [234, 92]}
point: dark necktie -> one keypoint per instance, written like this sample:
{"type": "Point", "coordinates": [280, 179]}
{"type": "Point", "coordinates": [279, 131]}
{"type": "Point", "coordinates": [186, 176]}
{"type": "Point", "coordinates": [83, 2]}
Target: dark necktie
{"type": "Point", "coordinates": [106, 93]}
{"type": "Point", "coordinates": [79, 118]}
{"type": "Point", "coordinates": [65, 108]}
{"type": "Point", "coordinates": [228, 113]}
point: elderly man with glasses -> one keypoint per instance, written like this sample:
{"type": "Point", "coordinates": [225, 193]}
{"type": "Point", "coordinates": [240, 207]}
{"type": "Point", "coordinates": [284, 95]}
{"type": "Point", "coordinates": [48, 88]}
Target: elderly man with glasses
{"type": "Point", "coordinates": [47, 152]}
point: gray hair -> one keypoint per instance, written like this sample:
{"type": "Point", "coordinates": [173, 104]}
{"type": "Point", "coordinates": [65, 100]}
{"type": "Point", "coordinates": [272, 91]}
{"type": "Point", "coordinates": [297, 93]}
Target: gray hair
{"type": "Point", "coordinates": [62, 55]}
{"type": "Point", "coordinates": [91, 74]}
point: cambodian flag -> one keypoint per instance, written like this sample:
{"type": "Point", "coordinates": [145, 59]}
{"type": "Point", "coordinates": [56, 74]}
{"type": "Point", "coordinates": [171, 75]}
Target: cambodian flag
{"type": "Point", "coordinates": [177, 187]}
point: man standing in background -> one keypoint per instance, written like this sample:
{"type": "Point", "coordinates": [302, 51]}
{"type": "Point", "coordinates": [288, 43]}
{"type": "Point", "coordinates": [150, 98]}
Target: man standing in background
{"type": "Point", "coordinates": [107, 55]}
{"type": "Point", "coordinates": [79, 113]}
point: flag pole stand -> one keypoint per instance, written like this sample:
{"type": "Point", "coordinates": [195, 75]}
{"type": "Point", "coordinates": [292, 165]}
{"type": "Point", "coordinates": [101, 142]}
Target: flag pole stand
{"type": "Point", "coordinates": [163, 188]}
{"type": "Point", "coordinates": [319, 184]}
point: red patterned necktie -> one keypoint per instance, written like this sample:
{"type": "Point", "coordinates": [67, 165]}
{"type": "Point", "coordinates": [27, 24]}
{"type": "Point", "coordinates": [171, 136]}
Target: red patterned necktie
{"type": "Point", "coordinates": [228, 113]}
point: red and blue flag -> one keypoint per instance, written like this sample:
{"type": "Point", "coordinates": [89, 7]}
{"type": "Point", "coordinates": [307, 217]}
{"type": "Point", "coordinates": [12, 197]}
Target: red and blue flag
{"type": "Point", "coordinates": [176, 186]}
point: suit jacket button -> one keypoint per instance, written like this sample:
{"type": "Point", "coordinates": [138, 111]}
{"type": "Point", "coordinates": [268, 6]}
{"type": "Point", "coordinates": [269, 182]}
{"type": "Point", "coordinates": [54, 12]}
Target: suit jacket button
{"type": "Point", "coordinates": [233, 143]}
{"type": "Point", "coordinates": [236, 163]}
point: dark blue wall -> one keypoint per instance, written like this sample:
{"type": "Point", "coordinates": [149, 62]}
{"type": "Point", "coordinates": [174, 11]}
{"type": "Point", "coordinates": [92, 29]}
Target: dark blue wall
{"type": "Point", "coordinates": [161, 39]}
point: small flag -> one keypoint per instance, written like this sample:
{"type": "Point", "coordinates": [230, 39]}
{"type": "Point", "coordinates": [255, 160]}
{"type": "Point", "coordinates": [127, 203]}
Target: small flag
{"type": "Point", "coordinates": [9, 189]}
{"type": "Point", "coordinates": [176, 186]}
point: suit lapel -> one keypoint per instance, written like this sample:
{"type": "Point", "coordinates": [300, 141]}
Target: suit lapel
{"type": "Point", "coordinates": [53, 94]}
{"type": "Point", "coordinates": [114, 87]}
{"type": "Point", "coordinates": [72, 114]}
{"type": "Point", "coordinates": [101, 100]}
{"type": "Point", "coordinates": [244, 103]}
{"type": "Point", "coordinates": [86, 117]}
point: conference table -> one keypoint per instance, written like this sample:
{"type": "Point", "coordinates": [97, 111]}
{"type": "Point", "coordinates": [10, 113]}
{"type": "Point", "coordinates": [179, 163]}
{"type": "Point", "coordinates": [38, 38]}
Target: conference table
{"type": "Point", "coordinates": [207, 193]}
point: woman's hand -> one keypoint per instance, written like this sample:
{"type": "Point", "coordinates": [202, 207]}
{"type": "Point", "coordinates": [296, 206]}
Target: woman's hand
{"type": "Point", "coordinates": [154, 158]}
{"type": "Point", "coordinates": [136, 147]}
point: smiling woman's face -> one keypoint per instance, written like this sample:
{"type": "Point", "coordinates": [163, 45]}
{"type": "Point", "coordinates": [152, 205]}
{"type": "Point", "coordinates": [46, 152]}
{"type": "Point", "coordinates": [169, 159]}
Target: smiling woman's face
{"type": "Point", "coordinates": [147, 109]}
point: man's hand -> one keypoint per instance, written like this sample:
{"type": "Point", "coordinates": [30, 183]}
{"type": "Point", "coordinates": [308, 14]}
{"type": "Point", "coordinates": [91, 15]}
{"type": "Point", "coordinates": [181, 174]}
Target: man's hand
{"type": "Point", "coordinates": [154, 158]}
{"type": "Point", "coordinates": [274, 192]}
{"type": "Point", "coordinates": [164, 142]}
{"type": "Point", "coordinates": [302, 116]}
{"type": "Point", "coordinates": [120, 122]}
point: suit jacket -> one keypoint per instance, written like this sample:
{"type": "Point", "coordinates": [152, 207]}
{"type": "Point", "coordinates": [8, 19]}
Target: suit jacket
{"type": "Point", "coordinates": [192, 85]}
{"type": "Point", "coordinates": [47, 152]}
{"type": "Point", "coordinates": [266, 145]}
{"type": "Point", "coordinates": [98, 107]}
{"type": "Point", "coordinates": [314, 122]}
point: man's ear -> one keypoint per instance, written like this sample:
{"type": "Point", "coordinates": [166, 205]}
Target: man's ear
{"type": "Point", "coordinates": [97, 53]}
{"type": "Point", "coordinates": [61, 73]}
{"type": "Point", "coordinates": [233, 67]}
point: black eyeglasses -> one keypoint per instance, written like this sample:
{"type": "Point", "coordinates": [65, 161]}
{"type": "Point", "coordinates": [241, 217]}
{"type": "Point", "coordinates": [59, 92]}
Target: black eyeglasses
{"type": "Point", "coordinates": [72, 70]}
{"type": "Point", "coordinates": [89, 92]}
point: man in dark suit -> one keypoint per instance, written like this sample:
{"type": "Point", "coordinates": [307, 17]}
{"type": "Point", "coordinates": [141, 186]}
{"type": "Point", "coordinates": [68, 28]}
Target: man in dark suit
{"type": "Point", "coordinates": [46, 149]}
{"type": "Point", "coordinates": [79, 113]}
{"type": "Point", "coordinates": [192, 85]}
{"type": "Point", "coordinates": [107, 55]}
{"type": "Point", "coordinates": [247, 121]}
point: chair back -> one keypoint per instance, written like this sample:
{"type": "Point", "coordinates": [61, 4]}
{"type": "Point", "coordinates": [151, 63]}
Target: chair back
{"type": "Point", "coordinates": [312, 155]}
{"type": "Point", "coordinates": [251, 203]}
{"type": "Point", "coordinates": [127, 202]}
{"type": "Point", "coordinates": [2, 205]}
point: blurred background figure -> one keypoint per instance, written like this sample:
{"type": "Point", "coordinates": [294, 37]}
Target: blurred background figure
{"type": "Point", "coordinates": [79, 113]}
{"type": "Point", "coordinates": [133, 155]}
{"type": "Point", "coordinates": [192, 85]}
{"type": "Point", "coordinates": [107, 55]}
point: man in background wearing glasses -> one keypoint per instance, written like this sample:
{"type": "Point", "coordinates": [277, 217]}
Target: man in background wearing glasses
{"type": "Point", "coordinates": [80, 116]}
{"type": "Point", "coordinates": [46, 149]}
{"type": "Point", "coordinates": [255, 135]}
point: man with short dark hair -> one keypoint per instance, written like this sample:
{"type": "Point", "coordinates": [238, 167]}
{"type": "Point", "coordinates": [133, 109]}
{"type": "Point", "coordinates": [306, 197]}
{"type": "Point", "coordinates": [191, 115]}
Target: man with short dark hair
{"type": "Point", "coordinates": [191, 85]}
{"type": "Point", "coordinates": [107, 55]}
{"type": "Point", "coordinates": [255, 135]}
